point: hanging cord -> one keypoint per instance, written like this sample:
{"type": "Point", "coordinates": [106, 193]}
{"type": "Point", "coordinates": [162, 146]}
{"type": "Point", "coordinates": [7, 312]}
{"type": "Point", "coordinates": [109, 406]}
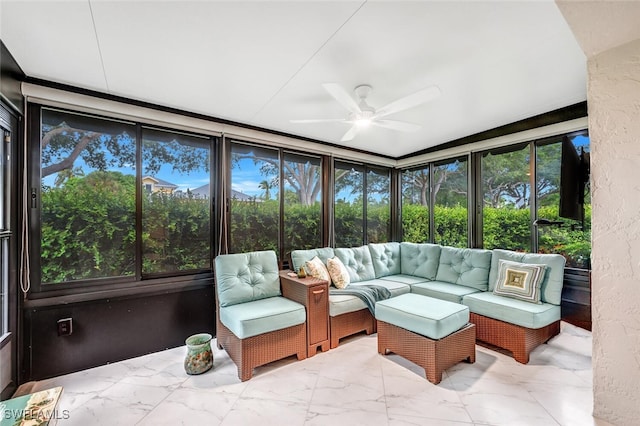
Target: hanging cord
{"type": "Point", "coordinates": [25, 269]}
{"type": "Point", "coordinates": [223, 237]}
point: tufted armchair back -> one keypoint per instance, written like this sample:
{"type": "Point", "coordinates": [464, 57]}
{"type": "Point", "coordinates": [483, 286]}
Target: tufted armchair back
{"type": "Point", "coordinates": [244, 277]}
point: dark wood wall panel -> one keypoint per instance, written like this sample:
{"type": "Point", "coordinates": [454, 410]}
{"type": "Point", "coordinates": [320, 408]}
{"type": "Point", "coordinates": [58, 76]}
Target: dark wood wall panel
{"type": "Point", "coordinates": [109, 330]}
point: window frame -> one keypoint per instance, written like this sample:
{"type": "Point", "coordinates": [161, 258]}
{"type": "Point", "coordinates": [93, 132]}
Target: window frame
{"type": "Point", "coordinates": [475, 190]}
{"type": "Point", "coordinates": [364, 168]}
{"type": "Point", "coordinates": [137, 281]}
{"type": "Point", "coordinates": [282, 152]}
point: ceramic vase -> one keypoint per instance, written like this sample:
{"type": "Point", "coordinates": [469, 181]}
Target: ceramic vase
{"type": "Point", "coordinates": [199, 355]}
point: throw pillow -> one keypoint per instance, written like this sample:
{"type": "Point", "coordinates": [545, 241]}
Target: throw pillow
{"type": "Point", "coordinates": [316, 269]}
{"type": "Point", "coordinates": [338, 272]}
{"type": "Point", "coordinates": [520, 281]}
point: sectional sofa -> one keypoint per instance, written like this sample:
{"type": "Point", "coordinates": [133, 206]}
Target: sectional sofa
{"type": "Point", "coordinates": [466, 276]}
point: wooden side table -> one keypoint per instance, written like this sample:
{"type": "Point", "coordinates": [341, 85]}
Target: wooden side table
{"type": "Point", "coordinates": [314, 295]}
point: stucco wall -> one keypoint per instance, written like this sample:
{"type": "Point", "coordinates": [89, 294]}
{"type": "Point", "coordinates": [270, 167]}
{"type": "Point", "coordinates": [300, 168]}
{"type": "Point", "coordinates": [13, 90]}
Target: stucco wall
{"type": "Point", "coordinates": [614, 127]}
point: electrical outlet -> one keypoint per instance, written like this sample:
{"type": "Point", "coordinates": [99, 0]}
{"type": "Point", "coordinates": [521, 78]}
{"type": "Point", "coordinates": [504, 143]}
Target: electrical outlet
{"type": "Point", "coordinates": [65, 326]}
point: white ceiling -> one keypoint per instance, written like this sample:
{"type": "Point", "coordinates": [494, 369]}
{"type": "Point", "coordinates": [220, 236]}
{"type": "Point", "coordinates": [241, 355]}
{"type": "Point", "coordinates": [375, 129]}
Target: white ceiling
{"type": "Point", "coordinates": [263, 63]}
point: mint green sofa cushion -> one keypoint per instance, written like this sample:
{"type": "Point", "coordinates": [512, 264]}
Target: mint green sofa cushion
{"type": "Point", "coordinates": [244, 277]}
{"type": "Point", "coordinates": [394, 287]}
{"type": "Point", "coordinates": [468, 267]}
{"type": "Point", "coordinates": [342, 304]}
{"type": "Point", "coordinates": [358, 262]}
{"type": "Point", "coordinates": [423, 315]}
{"type": "Point", "coordinates": [442, 290]}
{"type": "Point", "coordinates": [405, 279]}
{"type": "Point", "coordinates": [421, 260]}
{"type": "Point", "coordinates": [551, 289]}
{"type": "Point", "coordinates": [524, 314]}
{"type": "Point", "coordinates": [262, 316]}
{"type": "Point", "coordinates": [385, 258]}
{"type": "Point", "coordinates": [299, 257]}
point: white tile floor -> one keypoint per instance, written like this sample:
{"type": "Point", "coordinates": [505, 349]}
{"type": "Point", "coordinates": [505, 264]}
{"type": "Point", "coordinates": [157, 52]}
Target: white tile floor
{"type": "Point", "coordinates": [350, 385]}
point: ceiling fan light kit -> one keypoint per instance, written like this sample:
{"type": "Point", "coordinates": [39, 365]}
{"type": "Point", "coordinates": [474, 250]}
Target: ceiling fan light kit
{"type": "Point", "coordinates": [362, 115]}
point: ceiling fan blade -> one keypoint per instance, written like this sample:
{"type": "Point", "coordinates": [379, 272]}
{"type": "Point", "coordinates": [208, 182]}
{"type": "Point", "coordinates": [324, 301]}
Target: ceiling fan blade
{"type": "Point", "coordinates": [319, 120]}
{"type": "Point", "coordinates": [397, 125]}
{"type": "Point", "coordinates": [353, 131]}
{"type": "Point", "coordinates": [340, 95]}
{"type": "Point", "coordinates": [413, 100]}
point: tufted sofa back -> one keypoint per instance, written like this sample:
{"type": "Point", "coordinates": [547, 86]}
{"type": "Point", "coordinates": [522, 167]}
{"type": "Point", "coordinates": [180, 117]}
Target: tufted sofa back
{"type": "Point", "coordinates": [245, 277]}
{"type": "Point", "coordinates": [385, 258]}
{"type": "Point", "coordinates": [421, 260]}
{"type": "Point", "coordinates": [551, 288]}
{"type": "Point", "coordinates": [299, 257]}
{"type": "Point", "coordinates": [468, 267]}
{"type": "Point", "coordinates": [358, 262]}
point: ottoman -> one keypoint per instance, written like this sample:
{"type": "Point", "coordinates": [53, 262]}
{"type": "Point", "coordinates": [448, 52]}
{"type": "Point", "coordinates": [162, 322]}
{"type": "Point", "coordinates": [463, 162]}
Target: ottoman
{"type": "Point", "coordinates": [432, 333]}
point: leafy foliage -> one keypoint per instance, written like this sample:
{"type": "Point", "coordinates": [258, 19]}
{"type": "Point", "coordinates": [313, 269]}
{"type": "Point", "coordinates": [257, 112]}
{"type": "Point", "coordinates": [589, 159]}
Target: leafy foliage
{"type": "Point", "coordinates": [88, 230]}
{"type": "Point", "coordinates": [505, 228]}
{"type": "Point", "coordinates": [176, 233]}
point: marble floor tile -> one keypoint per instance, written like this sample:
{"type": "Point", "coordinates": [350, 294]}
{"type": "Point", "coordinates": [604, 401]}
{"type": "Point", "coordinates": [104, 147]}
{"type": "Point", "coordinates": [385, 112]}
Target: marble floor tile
{"type": "Point", "coordinates": [192, 407]}
{"type": "Point", "coordinates": [349, 385]}
{"type": "Point", "coordinates": [249, 411]}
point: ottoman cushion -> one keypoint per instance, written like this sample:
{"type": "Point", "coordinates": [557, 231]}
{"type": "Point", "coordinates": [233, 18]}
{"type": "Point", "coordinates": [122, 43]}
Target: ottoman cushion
{"type": "Point", "coordinates": [424, 315]}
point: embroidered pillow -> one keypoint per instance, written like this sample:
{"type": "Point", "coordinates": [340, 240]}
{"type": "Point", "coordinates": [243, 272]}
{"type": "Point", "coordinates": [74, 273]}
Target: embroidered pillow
{"type": "Point", "coordinates": [520, 281]}
{"type": "Point", "coordinates": [338, 272]}
{"type": "Point", "coordinates": [317, 269]}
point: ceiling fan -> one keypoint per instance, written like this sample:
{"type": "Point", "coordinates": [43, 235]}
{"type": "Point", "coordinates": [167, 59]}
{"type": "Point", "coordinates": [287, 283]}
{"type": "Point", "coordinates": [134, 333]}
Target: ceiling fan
{"type": "Point", "coordinates": [361, 114]}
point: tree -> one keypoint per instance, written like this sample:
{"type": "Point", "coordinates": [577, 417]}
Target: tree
{"type": "Point", "coordinates": [303, 177]}
{"type": "Point", "coordinates": [451, 179]}
{"type": "Point", "coordinates": [416, 181]}
{"type": "Point", "coordinates": [63, 145]}
{"type": "Point", "coordinates": [266, 186]}
{"type": "Point", "coordinates": [505, 179]}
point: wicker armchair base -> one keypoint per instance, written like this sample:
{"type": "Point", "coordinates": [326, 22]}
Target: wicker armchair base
{"type": "Point", "coordinates": [351, 323]}
{"type": "Point", "coordinates": [262, 349]}
{"type": "Point", "coordinates": [520, 341]}
{"type": "Point", "coordinates": [434, 356]}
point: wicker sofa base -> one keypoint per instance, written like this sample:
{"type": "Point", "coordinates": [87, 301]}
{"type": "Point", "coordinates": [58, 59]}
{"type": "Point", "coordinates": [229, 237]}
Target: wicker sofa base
{"type": "Point", "coordinates": [351, 323]}
{"type": "Point", "coordinates": [262, 349]}
{"type": "Point", "coordinates": [520, 341]}
{"type": "Point", "coordinates": [434, 356]}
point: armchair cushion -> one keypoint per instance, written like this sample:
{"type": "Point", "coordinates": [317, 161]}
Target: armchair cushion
{"type": "Point", "coordinates": [245, 277]}
{"type": "Point", "coordinates": [262, 316]}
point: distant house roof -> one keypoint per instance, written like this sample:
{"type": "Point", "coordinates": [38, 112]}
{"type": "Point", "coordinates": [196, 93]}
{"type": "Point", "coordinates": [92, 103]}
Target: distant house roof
{"type": "Point", "coordinates": [204, 191]}
{"type": "Point", "coordinates": [241, 196]}
{"type": "Point", "coordinates": [161, 182]}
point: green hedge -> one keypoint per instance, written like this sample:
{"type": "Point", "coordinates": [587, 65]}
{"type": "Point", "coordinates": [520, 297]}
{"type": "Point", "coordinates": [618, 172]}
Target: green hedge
{"type": "Point", "coordinates": [85, 239]}
{"type": "Point", "coordinates": [503, 228]}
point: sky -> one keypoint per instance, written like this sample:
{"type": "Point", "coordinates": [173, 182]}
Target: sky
{"type": "Point", "coordinates": [246, 176]}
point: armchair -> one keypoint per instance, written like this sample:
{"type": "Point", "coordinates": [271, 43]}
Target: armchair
{"type": "Point", "coordinates": [255, 324]}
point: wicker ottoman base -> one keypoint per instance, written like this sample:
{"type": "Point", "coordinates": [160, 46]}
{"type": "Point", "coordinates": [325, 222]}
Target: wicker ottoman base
{"type": "Point", "coordinates": [434, 356]}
